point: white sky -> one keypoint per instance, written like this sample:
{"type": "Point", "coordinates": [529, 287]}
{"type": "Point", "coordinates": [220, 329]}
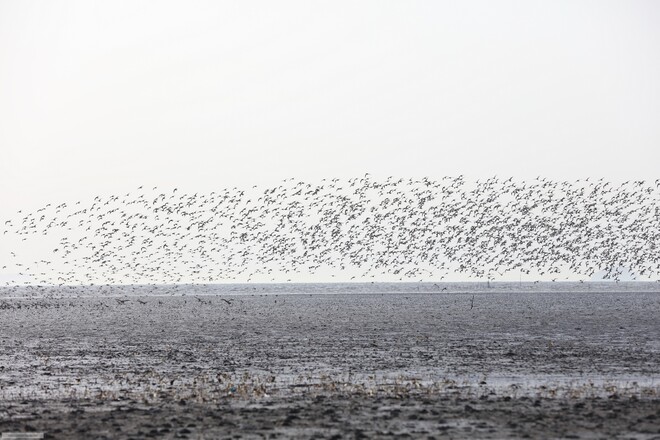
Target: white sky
{"type": "Point", "coordinates": [102, 97]}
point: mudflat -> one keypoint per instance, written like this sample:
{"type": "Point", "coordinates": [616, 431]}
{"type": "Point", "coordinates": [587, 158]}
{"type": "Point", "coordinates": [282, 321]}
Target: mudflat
{"type": "Point", "coordinates": [423, 365]}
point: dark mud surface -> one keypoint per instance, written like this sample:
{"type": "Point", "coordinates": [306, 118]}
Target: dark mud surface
{"type": "Point", "coordinates": [500, 365]}
{"type": "Point", "coordinates": [345, 416]}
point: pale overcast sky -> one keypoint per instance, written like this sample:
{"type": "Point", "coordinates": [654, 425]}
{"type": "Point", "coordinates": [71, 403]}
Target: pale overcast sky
{"type": "Point", "coordinates": [101, 97]}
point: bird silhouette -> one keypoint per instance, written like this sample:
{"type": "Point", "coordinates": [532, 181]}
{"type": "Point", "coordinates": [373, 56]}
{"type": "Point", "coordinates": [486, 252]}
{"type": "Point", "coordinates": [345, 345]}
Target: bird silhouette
{"type": "Point", "coordinates": [410, 229]}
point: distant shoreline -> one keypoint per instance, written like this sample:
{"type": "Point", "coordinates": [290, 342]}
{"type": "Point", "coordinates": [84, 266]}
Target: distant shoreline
{"type": "Point", "coordinates": [401, 288]}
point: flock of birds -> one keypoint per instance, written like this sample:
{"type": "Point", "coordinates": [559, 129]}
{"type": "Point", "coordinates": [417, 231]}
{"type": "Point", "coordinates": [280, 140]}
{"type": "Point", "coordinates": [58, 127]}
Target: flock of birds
{"type": "Point", "coordinates": [410, 229]}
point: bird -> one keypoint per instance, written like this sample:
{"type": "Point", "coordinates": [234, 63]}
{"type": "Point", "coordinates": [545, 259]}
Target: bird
{"type": "Point", "coordinates": [411, 229]}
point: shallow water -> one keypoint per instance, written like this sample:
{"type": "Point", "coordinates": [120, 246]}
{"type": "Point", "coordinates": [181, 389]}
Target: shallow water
{"type": "Point", "coordinates": [284, 337]}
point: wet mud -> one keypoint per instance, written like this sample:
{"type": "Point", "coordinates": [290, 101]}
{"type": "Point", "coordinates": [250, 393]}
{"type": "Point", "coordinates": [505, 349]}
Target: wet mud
{"type": "Point", "coordinates": [502, 365]}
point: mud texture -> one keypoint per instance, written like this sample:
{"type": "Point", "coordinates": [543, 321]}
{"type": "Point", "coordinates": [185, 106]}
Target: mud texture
{"type": "Point", "coordinates": [501, 365]}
